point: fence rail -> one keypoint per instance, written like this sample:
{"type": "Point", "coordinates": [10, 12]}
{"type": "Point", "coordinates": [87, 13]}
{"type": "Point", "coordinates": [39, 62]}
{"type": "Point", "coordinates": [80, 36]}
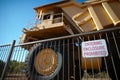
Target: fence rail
{"type": "Point", "coordinates": [34, 60]}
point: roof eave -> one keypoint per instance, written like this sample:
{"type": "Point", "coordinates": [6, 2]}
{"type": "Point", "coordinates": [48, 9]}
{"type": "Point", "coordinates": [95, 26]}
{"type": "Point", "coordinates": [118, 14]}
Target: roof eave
{"type": "Point", "coordinates": [56, 3]}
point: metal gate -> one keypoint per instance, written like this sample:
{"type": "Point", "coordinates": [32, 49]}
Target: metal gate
{"type": "Point", "coordinates": [19, 62]}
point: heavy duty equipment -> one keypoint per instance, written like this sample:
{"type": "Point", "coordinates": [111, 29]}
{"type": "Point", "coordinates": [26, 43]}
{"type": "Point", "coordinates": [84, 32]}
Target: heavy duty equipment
{"type": "Point", "coordinates": [63, 18]}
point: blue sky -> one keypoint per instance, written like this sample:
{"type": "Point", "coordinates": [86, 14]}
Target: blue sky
{"type": "Point", "coordinates": [14, 16]}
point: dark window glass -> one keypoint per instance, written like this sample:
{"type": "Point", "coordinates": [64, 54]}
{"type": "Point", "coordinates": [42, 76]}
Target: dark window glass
{"type": "Point", "coordinates": [46, 17]}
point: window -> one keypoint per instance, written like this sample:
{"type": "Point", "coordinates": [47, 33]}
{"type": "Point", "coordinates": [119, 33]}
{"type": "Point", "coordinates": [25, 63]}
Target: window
{"type": "Point", "coordinates": [45, 17]}
{"type": "Point", "coordinates": [57, 18]}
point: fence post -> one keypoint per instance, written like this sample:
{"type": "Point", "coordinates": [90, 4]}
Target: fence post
{"type": "Point", "coordinates": [8, 60]}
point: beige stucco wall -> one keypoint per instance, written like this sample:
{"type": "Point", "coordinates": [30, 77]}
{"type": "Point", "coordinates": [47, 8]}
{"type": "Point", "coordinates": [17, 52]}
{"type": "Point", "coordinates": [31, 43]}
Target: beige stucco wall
{"type": "Point", "coordinates": [72, 10]}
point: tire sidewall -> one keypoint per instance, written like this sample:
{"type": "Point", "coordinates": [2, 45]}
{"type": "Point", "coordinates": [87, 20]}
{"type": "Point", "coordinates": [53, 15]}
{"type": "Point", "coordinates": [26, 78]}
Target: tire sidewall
{"type": "Point", "coordinates": [33, 73]}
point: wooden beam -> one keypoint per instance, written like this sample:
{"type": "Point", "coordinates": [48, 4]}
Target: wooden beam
{"type": "Point", "coordinates": [111, 13]}
{"type": "Point", "coordinates": [95, 18]}
{"type": "Point", "coordinates": [77, 28]}
{"type": "Point", "coordinates": [67, 27]}
{"type": "Point", "coordinates": [85, 20]}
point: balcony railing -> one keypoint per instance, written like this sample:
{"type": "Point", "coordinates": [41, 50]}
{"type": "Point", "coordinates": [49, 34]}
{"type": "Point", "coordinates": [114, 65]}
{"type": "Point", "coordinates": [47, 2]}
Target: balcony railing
{"type": "Point", "coordinates": [42, 24]}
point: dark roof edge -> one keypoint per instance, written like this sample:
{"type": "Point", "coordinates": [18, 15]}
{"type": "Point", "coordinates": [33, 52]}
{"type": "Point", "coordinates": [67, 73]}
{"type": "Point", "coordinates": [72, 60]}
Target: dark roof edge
{"type": "Point", "coordinates": [55, 3]}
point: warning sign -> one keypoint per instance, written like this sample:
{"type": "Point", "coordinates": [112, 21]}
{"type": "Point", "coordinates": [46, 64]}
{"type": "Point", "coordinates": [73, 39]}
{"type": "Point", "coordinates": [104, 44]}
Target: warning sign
{"type": "Point", "coordinates": [94, 48]}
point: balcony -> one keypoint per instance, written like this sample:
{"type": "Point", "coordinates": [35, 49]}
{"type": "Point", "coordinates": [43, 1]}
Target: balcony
{"type": "Point", "coordinates": [49, 27]}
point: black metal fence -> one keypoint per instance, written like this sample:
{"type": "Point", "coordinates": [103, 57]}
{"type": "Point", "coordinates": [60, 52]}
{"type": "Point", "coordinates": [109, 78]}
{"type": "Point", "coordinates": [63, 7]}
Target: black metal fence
{"type": "Point", "coordinates": [34, 60]}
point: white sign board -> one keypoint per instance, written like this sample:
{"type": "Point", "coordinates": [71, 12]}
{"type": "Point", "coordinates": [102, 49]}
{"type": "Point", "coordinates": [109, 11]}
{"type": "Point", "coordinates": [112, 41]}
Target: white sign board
{"type": "Point", "coordinates": [94, 48]}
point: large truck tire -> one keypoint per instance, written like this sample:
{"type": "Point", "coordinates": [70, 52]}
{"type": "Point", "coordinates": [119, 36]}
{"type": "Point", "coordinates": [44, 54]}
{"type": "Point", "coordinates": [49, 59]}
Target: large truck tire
{"type": "Point", "coordinates": [113, 60]}
{"type": "Point", "coordinates": [114, 66]}
{"type": "Point", "coordinates": [114, 72]}
{"type": "Point", "coordinates": [43, 63]}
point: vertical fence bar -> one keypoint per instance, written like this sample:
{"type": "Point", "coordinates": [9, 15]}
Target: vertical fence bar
{"type": "Point", "coordinates": [68, 58]}
{"type": "Point", "coordinates": [73, 60]}
{"type": "Point", "coordinates": [8, 60]}
{"type": "Point", "coordinates": [63, 59]}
